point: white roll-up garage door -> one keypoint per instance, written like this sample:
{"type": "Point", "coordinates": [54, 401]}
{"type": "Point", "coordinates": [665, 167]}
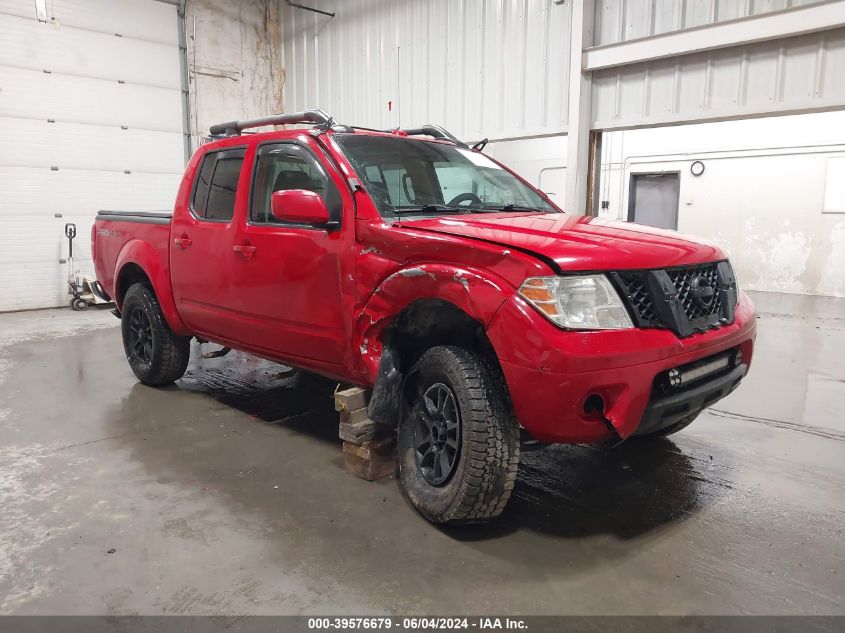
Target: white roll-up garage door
{"type": "Point", "coordinates": [90, 118]}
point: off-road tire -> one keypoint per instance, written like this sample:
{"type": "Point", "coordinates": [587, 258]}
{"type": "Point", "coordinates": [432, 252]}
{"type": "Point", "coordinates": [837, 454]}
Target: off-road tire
{"type": "Point", "coordinates": [170, 353]}
{"type": "Point", "coordinates": [680, 425]}
{"type": "Point", "coordinates": [484, 474]}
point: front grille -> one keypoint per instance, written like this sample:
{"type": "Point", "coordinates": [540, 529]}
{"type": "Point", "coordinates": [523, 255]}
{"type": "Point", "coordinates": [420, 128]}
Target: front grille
{"type": "Point", "coordinates": [639, 299]}
{"type": "Point", "coordinates": [686, 299]}
{"type": "Point", "coordinates": [683, 279]}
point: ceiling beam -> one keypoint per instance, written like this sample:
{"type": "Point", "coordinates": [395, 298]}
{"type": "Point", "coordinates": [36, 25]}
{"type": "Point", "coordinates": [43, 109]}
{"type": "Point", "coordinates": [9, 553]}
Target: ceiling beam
{"type": "Point", "coordinates": [760, 28]}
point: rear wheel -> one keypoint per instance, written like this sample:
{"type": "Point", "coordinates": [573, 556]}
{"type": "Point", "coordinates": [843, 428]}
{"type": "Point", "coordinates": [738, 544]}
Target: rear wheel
{"type": "Point", "coordinates": [156, 355]}
{"type": "Point", "coordinates": [458, 440]}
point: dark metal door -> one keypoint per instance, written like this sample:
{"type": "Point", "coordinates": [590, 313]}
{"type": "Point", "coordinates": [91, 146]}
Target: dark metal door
{"type": "Point", "coordinates": [653, 199]}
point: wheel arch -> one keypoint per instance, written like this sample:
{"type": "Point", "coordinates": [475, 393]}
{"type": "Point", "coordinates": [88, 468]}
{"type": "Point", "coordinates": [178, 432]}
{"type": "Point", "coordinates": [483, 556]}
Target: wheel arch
{"type": "Point", "coordinates": [139, 262]}
{"type": "Point", "coordinates": [418, 308]}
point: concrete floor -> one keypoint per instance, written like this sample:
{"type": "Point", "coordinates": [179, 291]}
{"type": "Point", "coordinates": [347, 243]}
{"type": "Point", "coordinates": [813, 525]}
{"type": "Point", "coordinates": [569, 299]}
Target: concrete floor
{"type": "Point", "coordinates": [225, 495]}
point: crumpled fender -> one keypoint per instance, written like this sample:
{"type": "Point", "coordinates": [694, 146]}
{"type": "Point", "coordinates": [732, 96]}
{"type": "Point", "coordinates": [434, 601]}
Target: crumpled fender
{"type": "Point", "coordinates": [142, 254]}
{"type": "Point", "coordinates": [479, 295]}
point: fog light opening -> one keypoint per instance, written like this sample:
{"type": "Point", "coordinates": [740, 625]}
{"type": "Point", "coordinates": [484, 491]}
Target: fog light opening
{"type": "Point", "coordinates": [594, 406]}
{"type": "Point", "coordinates": [675, 378]}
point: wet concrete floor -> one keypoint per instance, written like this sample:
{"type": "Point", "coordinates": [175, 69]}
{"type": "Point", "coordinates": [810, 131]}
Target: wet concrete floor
{"type": "Point", "coordinates": [225, 495]}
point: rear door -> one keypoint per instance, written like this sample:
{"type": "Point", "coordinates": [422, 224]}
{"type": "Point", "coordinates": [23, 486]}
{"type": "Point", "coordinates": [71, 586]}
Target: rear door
{"type": "Point", "coordinates": [201, 244]}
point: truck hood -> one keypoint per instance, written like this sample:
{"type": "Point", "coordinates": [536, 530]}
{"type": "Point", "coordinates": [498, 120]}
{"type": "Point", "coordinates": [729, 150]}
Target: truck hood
{"type": "Point", "coordinates": [578, 243]}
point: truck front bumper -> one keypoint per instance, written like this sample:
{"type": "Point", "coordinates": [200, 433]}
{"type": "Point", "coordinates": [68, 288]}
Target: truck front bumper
{"type": "Point", "coordinates": [664, 411]}
{"type": "Point", "coordinates": [551, 373]}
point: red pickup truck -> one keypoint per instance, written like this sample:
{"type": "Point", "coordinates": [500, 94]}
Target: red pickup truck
{"type": "Point", "coordinates": [480, 314]}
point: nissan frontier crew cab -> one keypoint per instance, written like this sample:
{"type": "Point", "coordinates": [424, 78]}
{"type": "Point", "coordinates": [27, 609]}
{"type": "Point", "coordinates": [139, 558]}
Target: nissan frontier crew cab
{"type": "Point", "coordinates": [404, 261]}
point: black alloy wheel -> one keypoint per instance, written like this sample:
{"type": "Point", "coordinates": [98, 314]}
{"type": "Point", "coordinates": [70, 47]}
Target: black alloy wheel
{"type": "Point", "coordinates": [140, 336]}
{"type": "Point", "coordinates": [156, 355]}
{"type": "Point", "coordinates": [458, 440]}
{"type": "Point", "coordinates": [437, 435]}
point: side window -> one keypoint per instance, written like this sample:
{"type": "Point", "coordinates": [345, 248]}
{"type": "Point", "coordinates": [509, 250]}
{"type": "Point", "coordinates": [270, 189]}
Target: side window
{"type": "Point", "coordinates": [217, 183]}
{"type": "Point", "coordinates": [288, 166]}
{"type": "Point", "coordinates": [224, 185]}
{"type": "Point", "coordinates": [203, 180]}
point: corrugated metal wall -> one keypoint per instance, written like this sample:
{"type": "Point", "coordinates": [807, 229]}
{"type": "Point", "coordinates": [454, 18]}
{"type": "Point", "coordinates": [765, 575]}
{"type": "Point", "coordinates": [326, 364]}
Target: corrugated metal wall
{"type": "Point", "coordinates": [499, 68]}
{"type": "Point", "coordinates": [494, 68]}
{"type": "Point", "coordinates": [794, 74]}
{"type": "Point", "coordinates": [623, 20]}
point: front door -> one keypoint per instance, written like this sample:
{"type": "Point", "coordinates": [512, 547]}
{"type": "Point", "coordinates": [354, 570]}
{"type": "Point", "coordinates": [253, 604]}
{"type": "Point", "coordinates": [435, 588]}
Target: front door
{"type": "Point", "coordinates": [653, 199]}
{"type": "Point", "coordinates": [289, 275]}
{"type": "Point", "coordinates": [201, 245]}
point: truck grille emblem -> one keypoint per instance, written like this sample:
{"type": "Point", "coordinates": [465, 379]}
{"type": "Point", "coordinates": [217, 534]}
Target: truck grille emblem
{"type": "Point", "coordinates": [702, 291]}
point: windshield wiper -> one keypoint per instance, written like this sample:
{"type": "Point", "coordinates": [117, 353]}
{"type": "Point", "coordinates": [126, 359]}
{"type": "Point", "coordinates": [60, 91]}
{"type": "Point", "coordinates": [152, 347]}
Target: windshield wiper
{"type": "Point", "coordinates": [510, 208]}
{"type": "Point", "coordinates": [429, 208]}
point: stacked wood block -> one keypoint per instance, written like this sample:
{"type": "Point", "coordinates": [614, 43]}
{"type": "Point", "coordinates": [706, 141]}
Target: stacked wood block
{"type": "Point", "coordinates": [369, 448]}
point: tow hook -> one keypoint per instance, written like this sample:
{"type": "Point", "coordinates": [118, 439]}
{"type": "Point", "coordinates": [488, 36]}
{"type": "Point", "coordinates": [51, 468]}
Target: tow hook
{"type": "Point", "coordinates": [218, 353]}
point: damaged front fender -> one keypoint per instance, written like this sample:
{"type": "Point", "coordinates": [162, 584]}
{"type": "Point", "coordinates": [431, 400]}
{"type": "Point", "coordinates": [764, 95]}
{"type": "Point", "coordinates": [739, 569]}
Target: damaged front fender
{"type": "Point", "coordinates": [476, 295]}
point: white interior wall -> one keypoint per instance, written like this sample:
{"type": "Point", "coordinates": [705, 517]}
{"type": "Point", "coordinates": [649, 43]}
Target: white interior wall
{"type": "Point", "coordinates": [761, 197]}
{"type": "Point", "coordinates": [234, 61]}
{"type": "Point", "coordinates": [90, 110]}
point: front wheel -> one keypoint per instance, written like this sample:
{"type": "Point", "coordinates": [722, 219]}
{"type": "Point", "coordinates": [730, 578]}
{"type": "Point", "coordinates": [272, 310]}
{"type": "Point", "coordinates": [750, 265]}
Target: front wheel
{"type": "Point", "coordinates": [156, 355]}
{"type": "Point", "coordinates": [458, 440]}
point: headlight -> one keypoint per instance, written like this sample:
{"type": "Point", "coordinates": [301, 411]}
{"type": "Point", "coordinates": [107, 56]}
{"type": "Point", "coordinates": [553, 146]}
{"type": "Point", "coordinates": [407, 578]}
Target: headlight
{"type": "Point", "coordinates": [579, 302]}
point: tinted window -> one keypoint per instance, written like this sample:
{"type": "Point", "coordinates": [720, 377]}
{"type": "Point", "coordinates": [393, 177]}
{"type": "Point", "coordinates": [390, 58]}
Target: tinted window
{"type": "Point", "coordinates": [288, 166]}
{"type": "Point", "coordinates": [203, 180]}
{"type": "Point", "coordinates": [224, 185]}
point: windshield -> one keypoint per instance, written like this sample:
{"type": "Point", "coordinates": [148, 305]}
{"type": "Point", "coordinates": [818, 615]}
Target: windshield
{"type": "Point", "coordinates": [411, 177]}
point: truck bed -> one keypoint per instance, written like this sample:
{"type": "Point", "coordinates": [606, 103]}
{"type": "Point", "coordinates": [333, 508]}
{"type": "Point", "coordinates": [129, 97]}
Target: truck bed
{"type": "Point", "coordinates": [124, 235]}
{"type": "Point", "coordinates": [148, 217]}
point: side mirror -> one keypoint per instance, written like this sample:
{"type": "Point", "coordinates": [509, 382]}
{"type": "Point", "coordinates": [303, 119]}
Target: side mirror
{"type": "Point", "coordinates": [299, 205]}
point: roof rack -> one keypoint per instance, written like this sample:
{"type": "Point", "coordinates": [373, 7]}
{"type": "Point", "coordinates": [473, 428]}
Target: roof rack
{"type": "Point", "coordinates": [234, 128]}
{"type": "Point", "coordinates": [433, 130]}
{"type": "Point", "coordinates": [326, 122]}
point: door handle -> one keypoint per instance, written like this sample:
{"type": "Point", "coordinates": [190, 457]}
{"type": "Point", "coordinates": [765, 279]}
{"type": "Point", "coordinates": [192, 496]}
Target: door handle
{"type": "Point", "coordinates": [183, 241]}
{"type": "Point", "coordinates": [247, 250]}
